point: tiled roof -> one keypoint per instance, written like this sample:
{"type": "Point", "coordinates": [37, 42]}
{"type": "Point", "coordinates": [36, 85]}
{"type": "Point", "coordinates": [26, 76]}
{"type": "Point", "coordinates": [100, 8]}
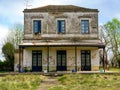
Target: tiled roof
{"type": "Point", "coordinates": [61, 8]}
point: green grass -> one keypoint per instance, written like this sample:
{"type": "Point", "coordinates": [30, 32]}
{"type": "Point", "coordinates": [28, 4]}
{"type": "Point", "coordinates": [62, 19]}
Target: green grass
{"type": "Point", "coordinates": [20, 82]}
{"type": "Point", "coordinates": [115, 69]}
{"type": "Point", "coordinates": [88, 82]}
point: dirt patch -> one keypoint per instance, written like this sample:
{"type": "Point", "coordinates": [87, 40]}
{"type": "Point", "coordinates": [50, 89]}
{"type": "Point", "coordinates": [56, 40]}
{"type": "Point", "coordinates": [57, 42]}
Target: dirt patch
{"type": "Point", "coordinates": [47, 83]}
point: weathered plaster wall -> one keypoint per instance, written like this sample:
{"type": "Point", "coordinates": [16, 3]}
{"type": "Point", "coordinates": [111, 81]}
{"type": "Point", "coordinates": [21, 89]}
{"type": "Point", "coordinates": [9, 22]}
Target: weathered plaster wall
{"type": "Point", "coordinates": [95, 60]}
{"type": "Point", "coordinates": [27, 58]}
{"type": "Point", "coordinates": [70, 52]}
{"type": "Point", "coordinates": [16, 61]}
{"type": "Point", "coordinates": [70, 59]}
{"type": "Point", "coordinates": [52, 59]}
{"type": "Point", "coordinates": [49, 23]}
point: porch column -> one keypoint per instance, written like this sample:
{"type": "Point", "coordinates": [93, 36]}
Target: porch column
{"type": "Point", "coordinates": [75, 59]}
{"type": "Point", "coordinates": [19, 57]}
{"type": "Point", "coordinates": [104, 59]}
{"type": "Point", "coordinates": [48, 59]}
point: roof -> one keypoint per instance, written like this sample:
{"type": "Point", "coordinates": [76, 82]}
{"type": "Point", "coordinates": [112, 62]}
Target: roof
{"type": "Point", "coordinates": [99, 45]}
{"type": "Point", "coordinates": [60, 8]}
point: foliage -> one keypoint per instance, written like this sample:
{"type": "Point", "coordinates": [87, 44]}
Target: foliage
{"type": "Point", "coordinates": [5, 66]}
{"type": "Point", "coordinates": [20, 82]}
{"type": "Point", "coordinates": [109, 33]}
{"type": "Point", "coordinates": [88, 82]}
{"type": "Point", "coordinates": [10, 45]}
{"type": "Point", "coordinates": [15, 35]}
{"type": "Point", "coordinates": [8, 51]}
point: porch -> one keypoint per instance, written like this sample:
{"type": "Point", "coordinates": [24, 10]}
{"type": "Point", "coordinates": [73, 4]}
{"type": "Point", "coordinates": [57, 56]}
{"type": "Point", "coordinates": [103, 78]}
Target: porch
{"type": "Point", "coordinates": [51, 57]}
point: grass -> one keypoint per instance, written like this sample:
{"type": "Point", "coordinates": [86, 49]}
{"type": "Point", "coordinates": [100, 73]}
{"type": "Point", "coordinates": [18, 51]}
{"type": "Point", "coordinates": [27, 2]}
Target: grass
{"type": "Point", "coordinates": [88, 82]}
{"type": "Point", "coordinates": [65, 82]}
{"type": "Point", "coordinates": [20, 82]}
{"type": "Point", "coordinates": [115, 69]}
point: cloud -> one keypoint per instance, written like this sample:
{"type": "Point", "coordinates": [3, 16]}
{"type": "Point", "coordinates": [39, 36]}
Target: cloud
{"type": "Point", "coordinates": [3, 32]}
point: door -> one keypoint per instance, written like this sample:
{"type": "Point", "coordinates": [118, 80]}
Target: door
{"type": "Point", "coordinates": [61, 60]}
{"type": "Point", "coordinates": [36, 60]}
{"type": "Point", "coordinates": [85, 60]}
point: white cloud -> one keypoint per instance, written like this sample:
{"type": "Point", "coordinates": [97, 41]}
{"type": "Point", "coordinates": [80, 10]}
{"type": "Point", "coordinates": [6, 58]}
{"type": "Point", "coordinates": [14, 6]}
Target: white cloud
{"type": "Point", "coordinates": [3, 32]}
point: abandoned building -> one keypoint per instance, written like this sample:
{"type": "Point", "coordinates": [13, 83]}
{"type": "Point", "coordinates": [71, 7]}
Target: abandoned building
{"type": "Point", "coordinates": [60, 38]}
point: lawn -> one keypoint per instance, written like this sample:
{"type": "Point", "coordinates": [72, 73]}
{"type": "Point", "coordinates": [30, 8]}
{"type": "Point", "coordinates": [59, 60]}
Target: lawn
{"type": "Point", "coordinates": [20, 82]}
{"type": "Point", "coordinates": [114, 69]}
{"type": "Point", "coordinates": [65, 82]}
{"type": "Point", "coordinates": [88, 82]}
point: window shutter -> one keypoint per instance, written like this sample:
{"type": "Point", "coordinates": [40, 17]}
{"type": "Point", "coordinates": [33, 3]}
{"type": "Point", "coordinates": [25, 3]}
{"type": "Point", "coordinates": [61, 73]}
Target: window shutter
{"type": "Point", "coordinates": [59, 26]}
{"type": "Point", "coordinates": [39, 26]}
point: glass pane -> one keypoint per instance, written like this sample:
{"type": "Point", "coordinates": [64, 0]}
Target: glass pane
{"type": "Point", "coordinates": [84, 26]}
{"type": "Point", "coordinates": [83, 59]}
{"type": "Point", "coordinates": [61, 26]}
{"type": "Point", "coordinates": [37, 26]}
{"type": "Point", "coordinates": [39, 60]}
{"type": "Point", "coordinates": [59, 60]}
{"type": "Point", "coordinates": [34, 60]}
{"type": "Point", "coordinates": [87, 59]}
{"type": "Point", "coordinates": [63, 60]}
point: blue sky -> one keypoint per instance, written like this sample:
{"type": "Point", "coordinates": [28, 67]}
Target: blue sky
{"type": "Point", "coordinates": [11, 10]}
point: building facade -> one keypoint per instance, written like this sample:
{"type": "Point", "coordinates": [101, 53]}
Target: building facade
{"type": "Point", "coordinates": [60, 38]}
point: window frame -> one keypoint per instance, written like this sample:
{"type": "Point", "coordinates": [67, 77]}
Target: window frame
{"type": "Point", "coordinates": [86, 60]}
{"type": "Point", "coordinates": [59, 26]}
{"type": "Point", "coordinates": [84, 26]}
{"type": "Point", "coordinates": [33, 26]}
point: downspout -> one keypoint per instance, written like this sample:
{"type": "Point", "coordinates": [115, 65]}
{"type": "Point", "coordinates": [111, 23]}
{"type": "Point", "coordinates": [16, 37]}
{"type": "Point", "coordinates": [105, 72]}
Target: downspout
{"type": "Point", "coordinates": [75, 59]}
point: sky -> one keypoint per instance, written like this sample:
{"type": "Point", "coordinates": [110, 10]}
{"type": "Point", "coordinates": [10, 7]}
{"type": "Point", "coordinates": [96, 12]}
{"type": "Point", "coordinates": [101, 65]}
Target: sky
{"type": "Point", "coordinates": [11, 11]}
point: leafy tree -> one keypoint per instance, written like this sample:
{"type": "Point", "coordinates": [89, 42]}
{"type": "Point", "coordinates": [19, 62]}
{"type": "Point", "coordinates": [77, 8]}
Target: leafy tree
{"type": "Point", "coordinates": [110, 33]}
{"type": "Point", "coordinates": [8, 51]}
{"type": "Point", "coordinates": [15, 35]}
{"type": "Point", "coordinates": [10, 45]}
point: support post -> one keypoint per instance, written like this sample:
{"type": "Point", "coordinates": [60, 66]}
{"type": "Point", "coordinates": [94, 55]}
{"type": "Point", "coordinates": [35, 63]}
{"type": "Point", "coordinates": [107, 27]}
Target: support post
{"type": "Point", "coordinates": [47, 59]}
{"type": "Point", "coordinates": [104, 59]}
{"type": "Point", "coordinates": [19, 58]}
{"type": "Point", "coordinates": [75, 59]}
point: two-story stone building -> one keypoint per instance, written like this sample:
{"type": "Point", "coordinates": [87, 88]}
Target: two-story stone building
{"type": "Point", "coordinates": [60, 38]}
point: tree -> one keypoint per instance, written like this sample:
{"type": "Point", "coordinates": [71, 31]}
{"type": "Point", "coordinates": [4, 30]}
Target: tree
{"type": "Point", "coordinates": [109, 33]}
{"type": "Point", "coordinates": [10, 45]}
{"type": "Point", "coordinates": [8, 51]}
{"type": "Point", "coordinates": [15, 35]}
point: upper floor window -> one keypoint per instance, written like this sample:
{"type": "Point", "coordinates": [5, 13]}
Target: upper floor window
{"type": "Point", "coordinates": [37, 26]}
{"type": "Point", "coordinates": [84, 26]}
{"type": "Point", "coordinates": [61, 26]}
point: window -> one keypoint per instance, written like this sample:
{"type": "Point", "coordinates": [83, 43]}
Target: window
{"type": "Point", "coordinates": [84, 26]}
{"type": "Point", "coordinates": [61, 26]}
{"type": "Point", "coordinates": [37, 26]}
{"type": "Point", "coordinates": [85, 60]}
